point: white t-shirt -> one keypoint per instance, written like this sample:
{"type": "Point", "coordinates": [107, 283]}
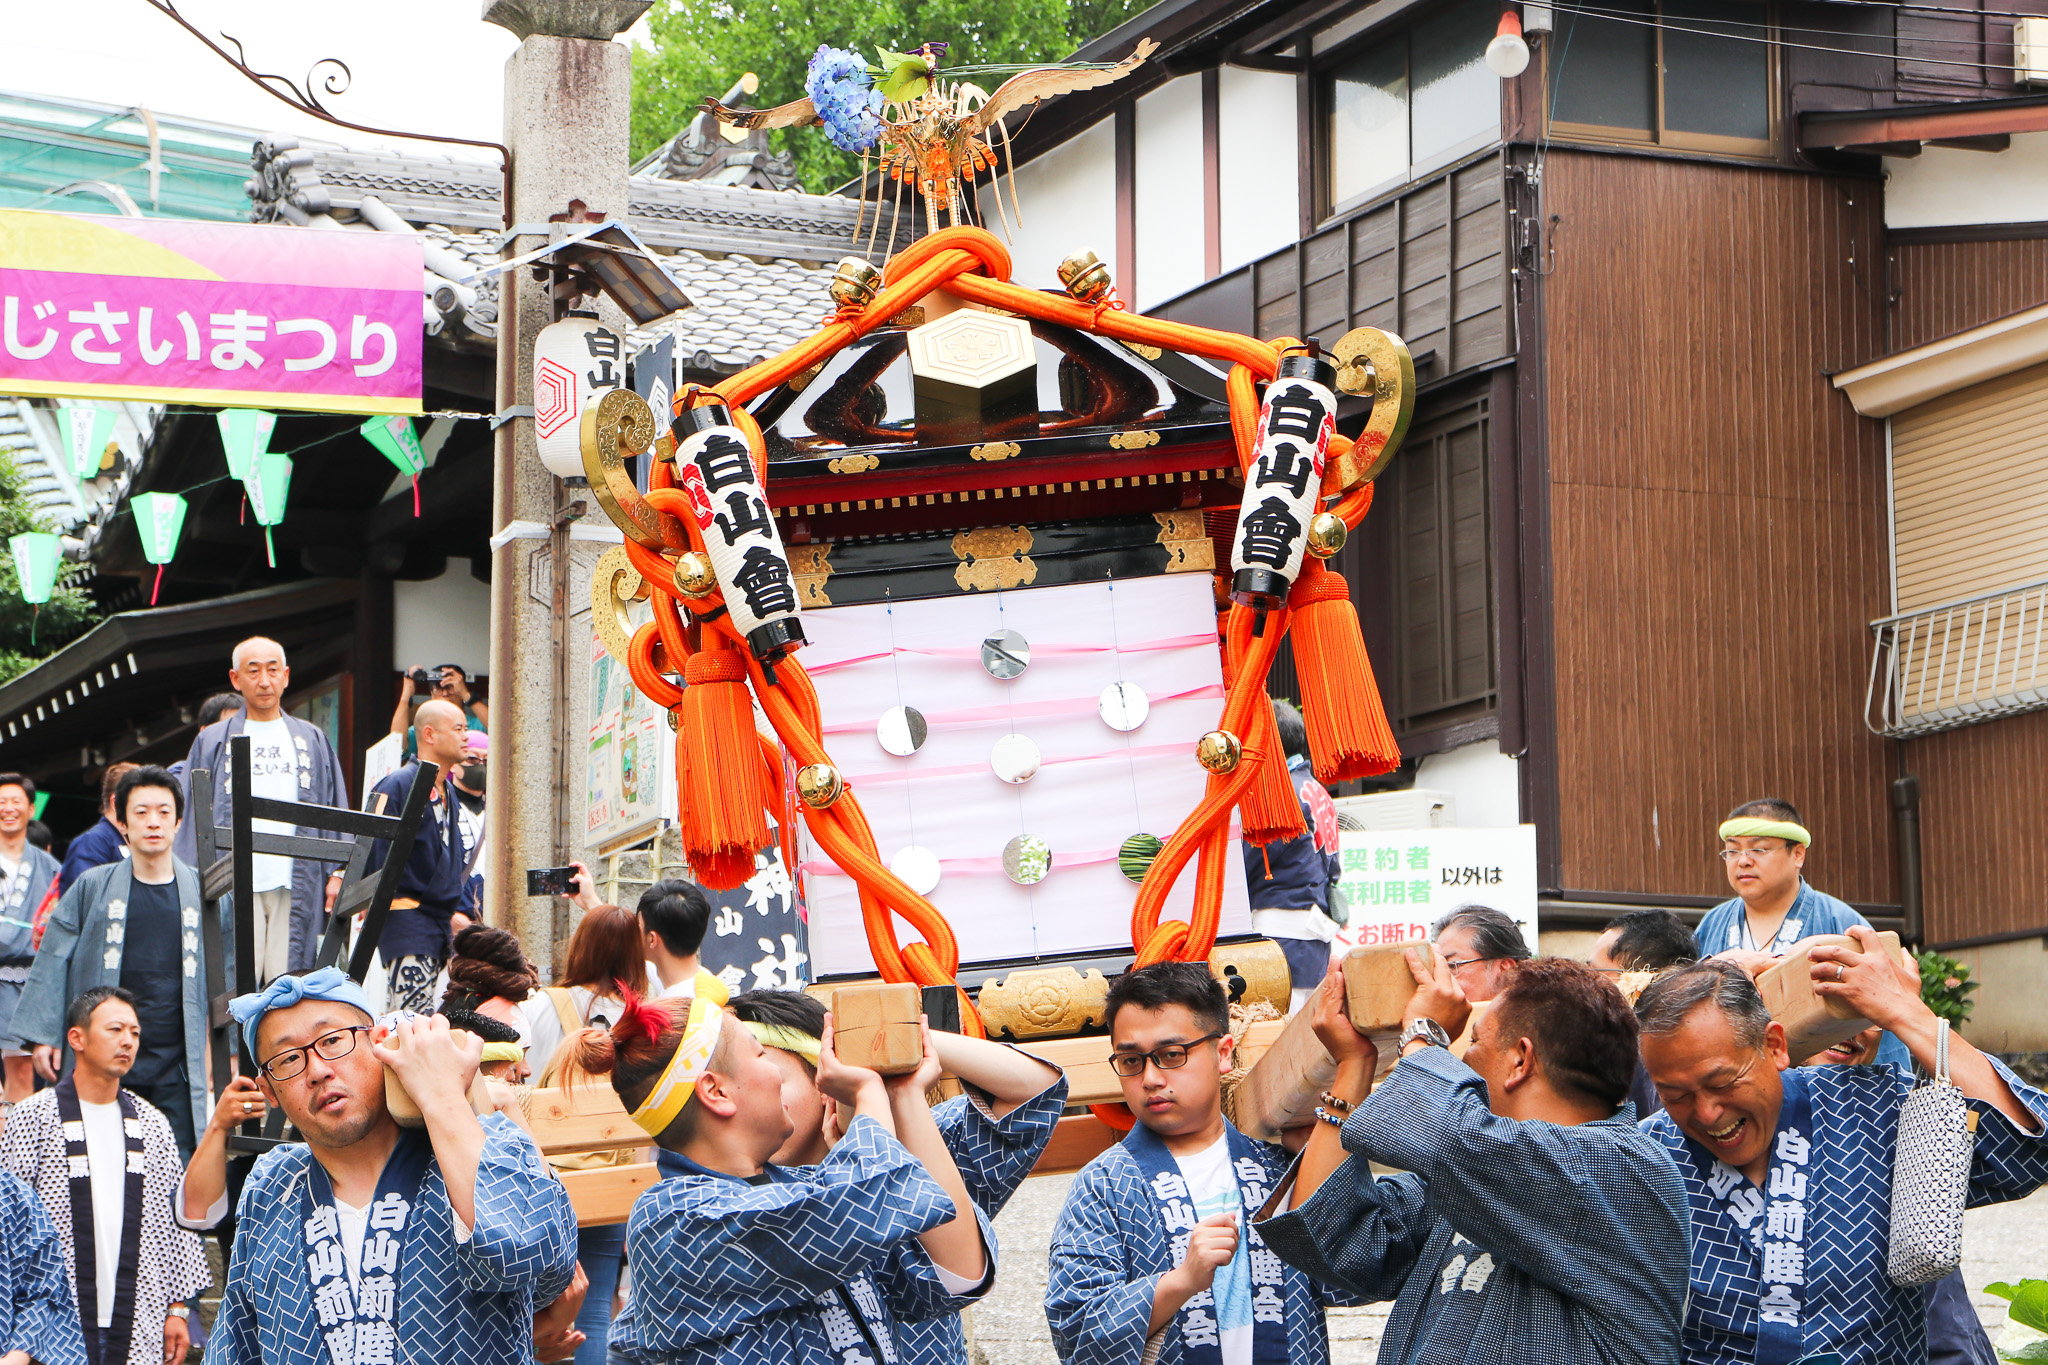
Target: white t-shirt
{"type": "Point", "coordinates": [1212, 1188]}
{"type": "Point", "coordinates": [106, 1150]}
{"type": "Point", "coordinates": [273, 772]}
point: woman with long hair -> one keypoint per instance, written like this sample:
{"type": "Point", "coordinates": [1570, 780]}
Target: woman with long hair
{"type": "Point", "coordinates": [743, 1261]}
{"type": "Point", "coordinates": [607, 958]}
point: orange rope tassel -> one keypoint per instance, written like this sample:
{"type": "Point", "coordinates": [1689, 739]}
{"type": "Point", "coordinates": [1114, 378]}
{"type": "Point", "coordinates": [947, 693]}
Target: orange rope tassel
{"type": "Point", "coordinates": [719, 771]}
{"type": "Point", "coordinates": [1348, 734]}
{"type": "Point", "coordinates": [1271, 810]}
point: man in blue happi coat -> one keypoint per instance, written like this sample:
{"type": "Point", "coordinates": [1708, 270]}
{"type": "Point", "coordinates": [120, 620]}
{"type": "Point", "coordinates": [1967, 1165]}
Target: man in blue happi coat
{"type": "Point", "coordinates": [38, 1316]}
{"type": "Point", "coordinates": [372, 1244]}
{"type": "Point", "coordinates": [1789, 1170]}
{"type": "Point", "coordinates": [995, 1132]}
{"type": "Point", "coordinates": [1535, 1222]}
{"type": "Point", "coordinates": [26, 873]}
{"type": "Point", "coordinates": [743, 1262]}
{"type": "Point", "coordinates": [1152, 1258]}
{"type": "Point", "coordinates": [1763, 851]}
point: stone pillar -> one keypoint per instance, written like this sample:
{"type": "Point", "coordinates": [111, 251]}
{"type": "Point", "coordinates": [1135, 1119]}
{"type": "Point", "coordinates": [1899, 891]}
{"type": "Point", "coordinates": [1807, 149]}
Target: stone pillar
{"type": "Point", "coordinates": [568, 102]}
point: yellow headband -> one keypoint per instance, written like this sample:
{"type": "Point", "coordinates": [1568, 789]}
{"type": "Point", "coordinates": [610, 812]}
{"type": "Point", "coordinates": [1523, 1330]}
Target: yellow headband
{"type": "Point", "coordinates": [787, 1039]}
{"type": "Point", "coordinates": [679, 1079]}
{"type": "Point", "coordinates": [503, 1052]}
{"type": "Point", "coordinates": [1751, 828]}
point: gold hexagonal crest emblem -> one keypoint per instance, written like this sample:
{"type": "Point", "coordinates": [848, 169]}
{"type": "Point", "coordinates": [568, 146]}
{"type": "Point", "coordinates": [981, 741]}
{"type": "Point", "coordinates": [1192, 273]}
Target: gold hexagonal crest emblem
{"type": "Point", "coordinates": [976, 377]}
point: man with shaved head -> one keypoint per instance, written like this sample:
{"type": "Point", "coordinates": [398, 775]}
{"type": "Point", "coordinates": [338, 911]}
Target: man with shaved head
{"type": "Point", "coordinates": [415, 942]}
{"type": "Point", "coordinates": [289, 760]}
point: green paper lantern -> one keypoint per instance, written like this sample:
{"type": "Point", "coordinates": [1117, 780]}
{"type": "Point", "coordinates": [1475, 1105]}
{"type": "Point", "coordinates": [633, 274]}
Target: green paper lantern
{"type": "Point", "coordinates": [158, 519]}
{"type": "Point", "coordinates": [268, 488]}
{"type": "Point", "coordinates": [42, 803]}
{"type": "Point", "coordinates": [85, 432]}
{"type": "Point", "coordinates": [35, 564]}
{"type": "Point", "coordinates": [245, 437]}
{"type": "Point", "coordinates": [401, 445]}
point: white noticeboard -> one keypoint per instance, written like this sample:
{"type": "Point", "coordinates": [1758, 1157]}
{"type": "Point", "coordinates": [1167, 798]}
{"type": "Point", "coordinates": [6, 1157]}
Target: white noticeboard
{"type": "Point", "coordinates": [1096, 787]}
{"type": "Point", "coordinates": [1398, 882]}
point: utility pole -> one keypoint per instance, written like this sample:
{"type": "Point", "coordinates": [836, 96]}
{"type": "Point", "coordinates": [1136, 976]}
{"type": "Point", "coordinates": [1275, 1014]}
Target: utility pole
{"type": "Point", "coordinates": [568, 101]}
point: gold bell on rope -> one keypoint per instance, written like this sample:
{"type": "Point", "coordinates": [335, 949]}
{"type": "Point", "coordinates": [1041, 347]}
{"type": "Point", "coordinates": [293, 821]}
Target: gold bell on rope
{"type": "Point", "coordinates": [1326, 534]}
{"type": "Point", "coordinates": [1218, 751]}
{"type": "Point", "coordinates": [693, 576]}
{"type": "Point", "coordinates": [855, 283]}
{"type": "Point", "coordinates": [1085, 277]}
{"type": "Point", "coordinates": [818, 785]}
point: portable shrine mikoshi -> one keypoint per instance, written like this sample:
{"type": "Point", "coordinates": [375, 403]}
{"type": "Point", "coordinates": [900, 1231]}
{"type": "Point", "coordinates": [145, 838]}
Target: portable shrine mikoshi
{"type": "Point", "coordinates": [912, 462]}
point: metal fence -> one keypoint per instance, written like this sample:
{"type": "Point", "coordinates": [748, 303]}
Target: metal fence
{"type": "Point", "coordinates": [1959, 663]}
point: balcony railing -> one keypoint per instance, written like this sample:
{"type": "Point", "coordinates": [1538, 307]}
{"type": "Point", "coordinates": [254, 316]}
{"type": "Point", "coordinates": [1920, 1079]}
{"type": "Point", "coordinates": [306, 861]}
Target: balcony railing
{"type": "Point", "coordinates": [1959, 663]}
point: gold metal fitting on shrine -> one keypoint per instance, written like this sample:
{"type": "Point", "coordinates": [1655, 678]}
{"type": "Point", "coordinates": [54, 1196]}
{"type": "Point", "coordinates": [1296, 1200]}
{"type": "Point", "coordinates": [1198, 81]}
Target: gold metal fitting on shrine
{"type": "Point", "coordinates": [855, 283]}
{"type": "Point", "coordinates": [1085, 277]}
{"type": "Point", "coordinates": [1327, 534]}
{"type": "Point", "coordinates": [1218, 751]}
{"type": "Point", "coordinates": [693, 576]}
{"type": "Point", "coordinates": [818, 785]}
{"type": "Point", "coordinates": [675, 722]}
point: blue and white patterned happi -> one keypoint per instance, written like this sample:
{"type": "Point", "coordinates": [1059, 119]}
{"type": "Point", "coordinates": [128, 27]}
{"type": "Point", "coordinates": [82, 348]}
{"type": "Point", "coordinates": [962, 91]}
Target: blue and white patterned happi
{"type": "Point", "coordinates": [37, 1313]}
{"type": "Point", "coordinates": [358, 1312]}
{"type": "Point", "coordinates": [750, 1274]}
{"type": "Point", "coordinates": [1511, 1241]}
{"type": "Point", "coordinates": [993, 1155]}
{"type": "Point", "coordinates": [1846, 1302]}
{"type": "Point", "coordinates": [1109, 1248]}
{"type": "Point", "coordinates": [458, 1303]}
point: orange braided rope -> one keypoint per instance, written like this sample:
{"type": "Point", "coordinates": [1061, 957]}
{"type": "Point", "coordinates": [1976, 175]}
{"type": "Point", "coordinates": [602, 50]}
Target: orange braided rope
{"type": "Point", "coordinates": [973, 265]}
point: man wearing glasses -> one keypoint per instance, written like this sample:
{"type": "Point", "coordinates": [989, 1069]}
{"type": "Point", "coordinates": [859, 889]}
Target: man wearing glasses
{"type": "Point", "coordinates": [456, 1230]}
{"type": "Point", "coordinates": [1788, 1170]}
{"type": "Point", "coordinates": [1763, 848]}
{"type": "Point", "coordinates": [1483, 948]}
{"type": "Point", "coordinates": [1150, 1257]}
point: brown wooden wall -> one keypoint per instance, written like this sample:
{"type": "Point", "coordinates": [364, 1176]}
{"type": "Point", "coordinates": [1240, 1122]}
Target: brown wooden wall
{"type": "Point", "coordinates": [1946, 287]}
{"type": "Point", "coordinates": [1984, 859]}
{"type": "Point", "coordinates": [1717, 518]}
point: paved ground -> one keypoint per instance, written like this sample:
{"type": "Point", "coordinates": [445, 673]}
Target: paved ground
{"type": "Point", "coordinates": [2008, 1242]}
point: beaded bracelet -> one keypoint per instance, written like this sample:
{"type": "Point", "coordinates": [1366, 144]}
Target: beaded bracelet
{"type": "Point", "coordinates": [1327, 1117]}
{"type": "Point", "coordinates": [1341, 1106]}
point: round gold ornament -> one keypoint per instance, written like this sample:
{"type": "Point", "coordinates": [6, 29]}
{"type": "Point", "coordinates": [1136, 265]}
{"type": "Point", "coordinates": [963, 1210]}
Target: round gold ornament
{"type": "Point", "coordinates": [693, 576]}
{"type": "Point", "coordinates": [674, 721]}
{"type": "Point", "coordinates": [818, 785]}
{"type": "Point", "coordinates": [1326, 534]}
{"type": "Point", "coordinates": [1218, 751]}
{"type": "Point", "coordinates": [1085, 277]}
{"type": "Point", "coordinates": [855, 283]}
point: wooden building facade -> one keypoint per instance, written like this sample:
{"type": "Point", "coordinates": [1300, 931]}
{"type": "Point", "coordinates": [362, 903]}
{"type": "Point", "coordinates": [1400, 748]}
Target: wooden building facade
{"type": "Point", "coordinates": [1638, 546]}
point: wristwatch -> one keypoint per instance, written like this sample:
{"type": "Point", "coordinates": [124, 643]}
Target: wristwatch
{"type": "Point", "coordinates": [178, 1310]}
{"type": "Point", "coordinates": [1426, 1031]}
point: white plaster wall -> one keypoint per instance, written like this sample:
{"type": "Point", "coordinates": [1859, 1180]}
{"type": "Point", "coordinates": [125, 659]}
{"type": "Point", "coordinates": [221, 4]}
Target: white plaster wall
{"type": "Point", "coordinates": [1486, 781]}
{"type": "Point", "coordinates": [1068, 198]}
{"type": "Point", "coordinates": [1169, 192]}
{"type": "Point", "coordinates": [445, 620]}
{"type": "Point", "coordinates": [1261, 173]}
{"type": "Point", "coordinates": [1948, 187]}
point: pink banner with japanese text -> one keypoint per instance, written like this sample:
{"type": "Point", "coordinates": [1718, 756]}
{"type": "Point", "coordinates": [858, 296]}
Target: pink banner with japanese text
{"type": "Point", "coordinates": [226, 314]}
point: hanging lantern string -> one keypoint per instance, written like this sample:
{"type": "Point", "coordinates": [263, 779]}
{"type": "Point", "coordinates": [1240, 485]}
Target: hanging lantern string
{"type": "Point", "coordinates": [156, 586]}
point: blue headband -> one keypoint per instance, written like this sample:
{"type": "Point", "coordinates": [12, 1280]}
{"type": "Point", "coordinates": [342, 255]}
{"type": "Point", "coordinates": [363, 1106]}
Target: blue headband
{"type": "Point", "coordinates": [329, 983]}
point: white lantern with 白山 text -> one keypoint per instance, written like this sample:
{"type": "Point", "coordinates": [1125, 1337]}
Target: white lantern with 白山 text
{"type": "Point", "coordinates": [715, 465]}
{"type": "Point", "coordinates": [1285, 480]}
{"type": "Point", "coordinates": [575, 361]}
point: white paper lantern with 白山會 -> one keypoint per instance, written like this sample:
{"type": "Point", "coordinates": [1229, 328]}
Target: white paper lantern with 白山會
{"type": "Point", "coordinates": [575, 361]}
{"type": "Point", "coordinates": [1285, 481]}
{"type": "Point", "coordinates": [715, 465]}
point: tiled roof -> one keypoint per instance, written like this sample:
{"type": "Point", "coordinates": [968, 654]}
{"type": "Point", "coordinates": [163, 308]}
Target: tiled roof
{"type": "Point", "coordinates": [755, 263]}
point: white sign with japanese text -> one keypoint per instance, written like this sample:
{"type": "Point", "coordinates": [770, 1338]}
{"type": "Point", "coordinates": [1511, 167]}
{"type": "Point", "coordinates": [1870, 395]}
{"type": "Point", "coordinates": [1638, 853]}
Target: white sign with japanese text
{"type": "Point", "coordinates": [1398, 882]}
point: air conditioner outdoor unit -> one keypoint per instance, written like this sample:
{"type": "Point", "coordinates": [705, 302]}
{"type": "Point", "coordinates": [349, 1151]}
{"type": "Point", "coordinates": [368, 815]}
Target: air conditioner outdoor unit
{"type": "Point", "coordinates": [1416, 808]}
{"type": "Point", "coordinates": [2030, 51]}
